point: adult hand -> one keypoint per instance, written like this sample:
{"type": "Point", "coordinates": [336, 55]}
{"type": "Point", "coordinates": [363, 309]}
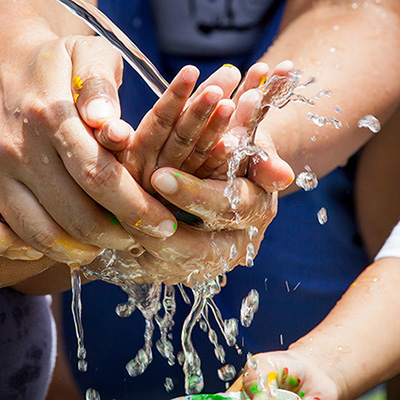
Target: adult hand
{"type": "Point", "coordinates": [59, 189]}
{"type": "Point", "coordinates": [192, 253]}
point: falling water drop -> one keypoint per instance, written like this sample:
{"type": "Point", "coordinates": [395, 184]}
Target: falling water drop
{"type": "Point", "coordinates": [92, 394]}
{"type": "Point", "coordinates": [227, 372]}
{"type": "Point", "coordinates": [307, 180]}
{"type": "Point", "coordinates": [169, 384]}
{"type": "Point", "coordinates": [45, 159]}
{"type": "Point", "coordinates": [249, 308]}
{"type": "Point", "coordinates": [370, 122]}
{"type": "Point", "coordinates": [322, 216]}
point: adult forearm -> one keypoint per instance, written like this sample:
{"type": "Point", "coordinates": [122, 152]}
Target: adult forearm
{"type": "Point", "coordinates": [352, 53]}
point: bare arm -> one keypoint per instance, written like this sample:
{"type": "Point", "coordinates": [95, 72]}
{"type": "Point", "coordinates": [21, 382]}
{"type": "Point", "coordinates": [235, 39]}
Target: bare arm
{"type": "Point", "coordinates": [349, 51]}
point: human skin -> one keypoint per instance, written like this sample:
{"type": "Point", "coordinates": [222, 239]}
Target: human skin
{"type": "Point", "coordinates": [356, 347]}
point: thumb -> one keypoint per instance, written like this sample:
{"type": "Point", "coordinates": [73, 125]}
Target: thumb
{"type": "Point", "coordinates": [269, 171]}
{"type": "Point", "coordinates": [96, 76]}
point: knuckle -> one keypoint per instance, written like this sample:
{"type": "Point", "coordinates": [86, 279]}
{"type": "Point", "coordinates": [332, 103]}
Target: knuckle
{"type": "Point", "coordinates": [164, 121]}
{"type": "Point", "coordinates": [42, 239]}
{"type": "Point", "coordinates": [182, 140]}
{"type": "Point", "coordinates": [85, 229]}
{"type": "Point", "coordinates": [100, 176]}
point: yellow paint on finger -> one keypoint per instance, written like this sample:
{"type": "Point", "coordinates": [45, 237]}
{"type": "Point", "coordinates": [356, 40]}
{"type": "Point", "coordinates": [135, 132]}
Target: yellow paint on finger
{"type": "Point", "coordinates": [263, 80]}
{"type": "Point", "coordinates": [76, 97]}
{"type": "Point", "coordinates": [228, 65]}
{"type": "Point", "coordinates": [77, 83]}
{"type": "Point", "coordinates": [138, 223]}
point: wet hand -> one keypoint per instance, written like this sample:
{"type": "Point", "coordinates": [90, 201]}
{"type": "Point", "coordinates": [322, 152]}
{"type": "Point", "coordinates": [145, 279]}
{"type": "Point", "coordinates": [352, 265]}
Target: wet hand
{"type": "Point", "coordinates": [59, 189]}
{"type": "Point", "coordinates": [289, 370]}
{"type": "Point", "coordinates": [192, 254]}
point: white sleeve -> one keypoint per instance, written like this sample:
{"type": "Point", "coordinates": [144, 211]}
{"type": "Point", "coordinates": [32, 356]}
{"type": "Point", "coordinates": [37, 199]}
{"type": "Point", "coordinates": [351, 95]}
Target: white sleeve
{"type": "Point", "coordinates": [391, 248]}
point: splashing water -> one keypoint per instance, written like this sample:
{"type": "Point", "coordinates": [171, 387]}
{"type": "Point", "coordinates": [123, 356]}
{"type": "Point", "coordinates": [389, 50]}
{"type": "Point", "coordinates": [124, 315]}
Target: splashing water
{"type": "Point", "coordinates": [249, 308]}
{"type": "Point", "coordinates": [92, 394]}
{"type": "Point", "coordinates": [322, 216]}
{"type": "Point", "coordinates": [76, 307]}
{"type": "Point", "coordinates": [227, 372]}
{"type": "Point", "coordinates": [307, 180]}
{"type": "Point", "coordinates": [168, 384]}
{"type": "Point", "coordinates": [370, 122]}
{"type": "Point", "coordinates": [276, 93]}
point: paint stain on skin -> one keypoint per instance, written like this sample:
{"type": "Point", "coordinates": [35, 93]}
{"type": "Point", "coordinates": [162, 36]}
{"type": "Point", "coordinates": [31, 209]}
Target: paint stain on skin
{"type": "Point", "coordinates": [77, 83]}
{"type": "Point", "coordinates": [190, 183]}
{"type": "Point", "coordinates": [138, 223]}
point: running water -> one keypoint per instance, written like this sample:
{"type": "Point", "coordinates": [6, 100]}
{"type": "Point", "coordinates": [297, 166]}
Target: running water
{"type": "Point", "coordinates": [276, 93]}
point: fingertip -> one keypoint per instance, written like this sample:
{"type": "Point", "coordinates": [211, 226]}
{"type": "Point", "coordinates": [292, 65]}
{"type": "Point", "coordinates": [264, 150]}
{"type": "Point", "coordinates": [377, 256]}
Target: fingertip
{"type": "Point", "coordinates": [190, 73]}
{"type": "Point", "coordinates": [97, 110]}
{"type": "Point", "coordinates": [114, 135]}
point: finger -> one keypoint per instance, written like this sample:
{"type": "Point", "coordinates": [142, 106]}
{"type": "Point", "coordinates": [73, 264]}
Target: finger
{"type": "Point", "coordinates": [92, 167]}
{"type": "Point", "coordinates": [189, 127]}
{"type": "Point", "coordinates": [206, 199]}
{"type": "Point", "coordinates": [271, 173]}
{"type": "Point", "coordinates": [100, 175]}
{"type": "Point", "coordinates": [95, 84]}
{"type": "Point", "coordinates": [157, 125]}
{"type": "Point", "coordinates": [41, 232]}
{"type": "Point", "coordinates": [13, 248]}
{"type": "Point", "coordinates": [210, 136]}
{"type": "Point", "coordinates": [114, 135]}
{"type": "Point", "coordinates": [256, 75]}
{"type": "Point", "coordinates": [226, 77]}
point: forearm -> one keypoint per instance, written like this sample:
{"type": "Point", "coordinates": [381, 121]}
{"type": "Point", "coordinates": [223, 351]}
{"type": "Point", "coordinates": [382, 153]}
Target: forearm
{"type": "Point", "coordinates": [351, 53]}
{"type": "Point", "coordinates": [358, 343]}
{"type": "Point", "coordinates": [23, 15]}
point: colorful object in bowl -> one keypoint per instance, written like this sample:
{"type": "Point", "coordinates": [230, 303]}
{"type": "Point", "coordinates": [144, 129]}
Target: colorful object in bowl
{"type": "Point", "coordinates": [282, 395]}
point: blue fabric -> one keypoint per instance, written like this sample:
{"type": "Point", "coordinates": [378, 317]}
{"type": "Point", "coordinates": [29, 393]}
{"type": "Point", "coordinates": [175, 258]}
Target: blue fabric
{"type": "Point", "coordinates": [27, 345]}
{"type": "Point", "coordinates": [296, 249]}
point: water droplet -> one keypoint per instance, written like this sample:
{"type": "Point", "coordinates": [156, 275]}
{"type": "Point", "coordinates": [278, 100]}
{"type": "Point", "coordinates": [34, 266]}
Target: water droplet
{"type": "Point", "coordinates": [313, 138]}
{"type": "Point", "coordinates": [338, 110]}
{"type": "Point", "coordinates": [307, 180]}
{"type": "Point", "coordinates": [332, 49]}
{"type": "Point", "coordinates": [344, 349]}
{"type": "Point", "coordinates": [82, 365]}
{"type": "Point", "coordinates": [336, 28]}
{"type": "Point", "coordinates": [26, 120]}
{"type": "Point", "coordinates": [322, 216]}
{"type": "Point", "coordinates": [45, 159]}
{"type": "Point", "coordinates": [17, 112]}
{"type": "Point", "coordinates": [354, 6]}
{"type": "Point", "coordinates": [233, 252]}
{"type": "Point", "coordinates": [92, 394]}
{"type": "Point", "coordinates": [370, 122]}
{"type": "Point", "coordinates": [69, 154]}
{"type": "Point", "coordinates": [249, 308]}
{"type": "Point", "coordinates": [250, 254]}
{"type": "Point", "coordinates": [169, 384]}
{"type": "Point", "coordinates": [227, 372]}
{"type": "Point", "coordinates": [124, 310]}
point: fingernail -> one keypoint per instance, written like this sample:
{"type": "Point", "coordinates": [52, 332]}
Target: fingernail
{"type": "Point", "coordinates": [99, 109]}
{"type": "Point", "coordinates": [33, 254]}
{"type": "Point", "coordinates": [167, 227]}
{"type": "Point", "coordinates": [165, 183]}
{"type": "Point", "coordinates": [118, 130]}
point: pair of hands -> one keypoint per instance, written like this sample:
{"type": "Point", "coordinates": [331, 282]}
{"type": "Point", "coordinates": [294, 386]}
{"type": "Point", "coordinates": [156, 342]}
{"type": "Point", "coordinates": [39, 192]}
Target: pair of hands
{"type": "Point", "coordinates": [61, 185]}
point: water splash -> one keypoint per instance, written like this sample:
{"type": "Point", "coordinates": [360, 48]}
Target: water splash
{"type": "Point", "coordinates": [249, 308]}
{"type": "Point", "coordinates": [307, 180]}
{"type": "Point", "coordinates": [105, 28]}
{"type": "Point", "coordinates": [322, 216]}
{"type": "Point", "coordinates": [169, 384]}
{"type": "Point", "coordinates": [92, 394]}
{"type": "Point", "coordinates": [76, 308]}
{"type": "Point", "coordinates": [370, 122]}
{"type": "Point", "coordinates": [227, 373]}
